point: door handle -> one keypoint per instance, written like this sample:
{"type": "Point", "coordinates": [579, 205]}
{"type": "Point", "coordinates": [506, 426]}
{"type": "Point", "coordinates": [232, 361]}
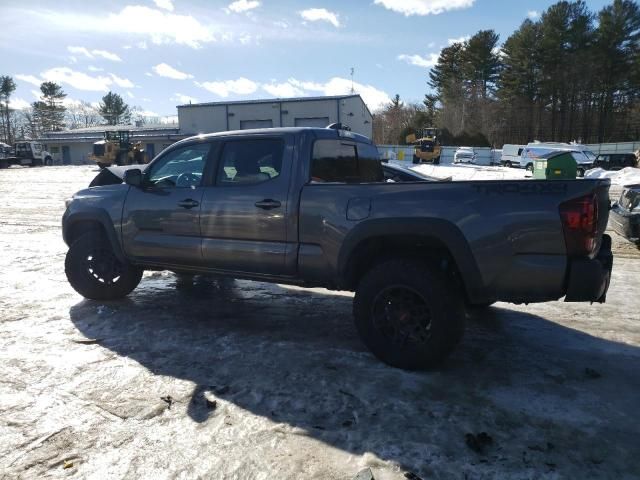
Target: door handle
{"type": "Point", "coordinates": [188, 203]}
{"type": "Point", "coordinates": [268, 204]}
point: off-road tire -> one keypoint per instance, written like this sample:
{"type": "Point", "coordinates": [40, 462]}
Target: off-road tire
{"type": "Point", "coordinates": [441, 298]}
{"type": "Point", "coordinates": [83, 264]}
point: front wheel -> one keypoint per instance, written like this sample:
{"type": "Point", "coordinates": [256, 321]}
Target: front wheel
{"type": "Point", "coordinates": [407, 314]}
{"type": "Point", "coordinates": [94, 271]}
{"type": "Point", "coordinates": [580, 172]}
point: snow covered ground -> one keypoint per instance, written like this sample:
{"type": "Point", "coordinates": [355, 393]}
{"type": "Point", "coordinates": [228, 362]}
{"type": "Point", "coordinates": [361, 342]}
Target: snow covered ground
{"type": "Point", "coordinates": [626, 176]}
{"type": "Point", "coordinates": [245, 380]}
{"type": "Point", "coordinates": [471, 172]}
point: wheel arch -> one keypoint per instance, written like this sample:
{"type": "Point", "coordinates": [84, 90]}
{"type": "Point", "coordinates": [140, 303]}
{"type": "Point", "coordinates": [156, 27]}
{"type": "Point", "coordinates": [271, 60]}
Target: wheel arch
{"type": "Point", "coordinates": [95, 219]}
{"type": "Point", "coordinates": [427, 239]}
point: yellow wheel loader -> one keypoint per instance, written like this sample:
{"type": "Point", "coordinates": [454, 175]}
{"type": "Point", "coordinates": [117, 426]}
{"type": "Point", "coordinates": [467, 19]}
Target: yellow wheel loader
{"type": "Point", "coordinates": [426, 144]}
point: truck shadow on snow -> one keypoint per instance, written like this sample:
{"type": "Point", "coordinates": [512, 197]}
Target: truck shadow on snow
{"type": "Point", "coordinates": [293, 356]}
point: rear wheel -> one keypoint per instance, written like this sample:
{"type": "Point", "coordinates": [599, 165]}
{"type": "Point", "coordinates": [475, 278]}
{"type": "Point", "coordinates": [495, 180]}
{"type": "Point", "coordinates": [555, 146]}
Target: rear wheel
{"type": "Point", "coordinates": [95, 272]}
{"type": "Point", "coordinates": [529, 167]}
{"type": "Point", "coordinates": [407, 314]}
{"type": "Point", "coordinates": [48, 161]}
{"type": "Point", "coordinates": [580, 172]}
{"type": "Point", "coordinates": [507, 164]}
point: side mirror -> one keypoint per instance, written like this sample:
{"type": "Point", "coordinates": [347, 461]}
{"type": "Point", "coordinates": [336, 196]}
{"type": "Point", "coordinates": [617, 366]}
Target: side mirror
{"type": "Point", "coordinates": [133, 177]}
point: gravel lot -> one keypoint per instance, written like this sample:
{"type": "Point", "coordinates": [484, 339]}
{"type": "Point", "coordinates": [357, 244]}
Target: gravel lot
{"type": "Point", "coordinates": [244, 380]}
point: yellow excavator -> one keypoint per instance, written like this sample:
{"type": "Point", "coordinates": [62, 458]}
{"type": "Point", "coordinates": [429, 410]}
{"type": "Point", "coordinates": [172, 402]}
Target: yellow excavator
{"type": "Point", "coordinates": [117, 148]}
{"type": "Point", "coordinates": [427, 147]}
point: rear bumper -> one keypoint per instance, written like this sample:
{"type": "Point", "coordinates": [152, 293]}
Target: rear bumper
{"type": "Point", "coordinates": [625, 223]}
{"type": "Point", "coordinates": [589, 278]}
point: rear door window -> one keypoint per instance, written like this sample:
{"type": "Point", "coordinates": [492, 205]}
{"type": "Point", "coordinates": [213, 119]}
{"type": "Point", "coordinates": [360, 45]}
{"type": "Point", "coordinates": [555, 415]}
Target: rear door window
{"type": "Point", "coordinates": [337, 162]}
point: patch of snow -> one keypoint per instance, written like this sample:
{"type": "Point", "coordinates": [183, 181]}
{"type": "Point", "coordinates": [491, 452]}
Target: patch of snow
{"type": "Point", "coordinates": [471, 172]}
{"type": "Point", "coordinates": [626, 176]}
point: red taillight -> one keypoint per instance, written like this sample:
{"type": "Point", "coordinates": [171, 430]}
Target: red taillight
{"type": "Point", "coordinates": [580, 224]}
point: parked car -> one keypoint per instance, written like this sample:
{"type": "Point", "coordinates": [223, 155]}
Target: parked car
{"type": "Point", "coordinates": [311, 207]}
{"type": "Point", "coordinates": [625, 214]}
{"type": "Point", "coordinates": [511, 155]}
{"type": "Point", "coordinates": [615, 161]}
{"type": "Point", "coordinates": [464, 155]}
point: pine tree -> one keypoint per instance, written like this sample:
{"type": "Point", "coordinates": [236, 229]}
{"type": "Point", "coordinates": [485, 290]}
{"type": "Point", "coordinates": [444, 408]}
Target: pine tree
{"type": "Point", "coordinates": [114, 109]}
{"type": "Point", "coordinates": [7, 87]}
{"type": "Point", "coordinates": [49, 111]}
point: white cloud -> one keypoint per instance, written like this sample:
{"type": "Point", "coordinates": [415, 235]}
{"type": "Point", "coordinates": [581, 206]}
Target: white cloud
{"type": "Point", "coordinates": [33, 80]}
{"type": "Point", "coordinates": [94, 53]}
{"type": "Point", "coordinates": [71, 102]}
{"type": "Point", "coordinates": [147, 113]}
{"type": "Point", "coordinates": [241, 6]}
{"type": "Point", "coordinates": [423, 7]}
{"type": "Point", "coordinates": [533, 14]}
{"type": "Point", "coordinates": [426, 62]}
{"type": "Point", "coordinates": [18, 104]}
{"type": "Point", "coordinates": [282, 90]}
{"type": "Point", "coordinates": [78, 80]}
{"type": "Point", "coordinates": [241, 86]}
{"type": "Point", "coordinates": [183, 99]}
{"type": "Point", "coordinates": [122, 82]}
{"type": "Point", "coordinates": [281, 24]}
{"type": "Point", "coordinates": [164, 4]}
{"type": "Point", "coordinates": [130, 95]}
{"type": "Point", "coordinates": [461, 39]}
{"type": "Point", "coordinates": [91, 68]}
{"type": "Point", "coordinates": [164, 70]}
{"type": "Point", "coordinates": [320, 14]}
{"type": "Point", "coordinates": [162, 27]}
{"type": "Point", "coordinates": [107, 55]}
{"type": "Point", "coordinates": [372, 96]}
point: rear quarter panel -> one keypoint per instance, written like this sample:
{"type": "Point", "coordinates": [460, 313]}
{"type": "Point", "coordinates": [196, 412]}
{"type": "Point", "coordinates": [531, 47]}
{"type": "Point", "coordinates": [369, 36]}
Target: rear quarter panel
{"type": "Point", "coordinates": [512, 228]}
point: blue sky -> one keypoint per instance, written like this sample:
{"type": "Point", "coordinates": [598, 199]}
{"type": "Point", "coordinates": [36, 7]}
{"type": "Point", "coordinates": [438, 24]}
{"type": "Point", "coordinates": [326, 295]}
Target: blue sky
{"type": "Point", "coordinates": [161, 53]}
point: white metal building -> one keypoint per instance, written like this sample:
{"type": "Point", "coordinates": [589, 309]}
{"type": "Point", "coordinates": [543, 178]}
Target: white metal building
{"type": "Point", "coordinates": [278, 112]}
{"type": "Point", "coordinates": [74, 146]}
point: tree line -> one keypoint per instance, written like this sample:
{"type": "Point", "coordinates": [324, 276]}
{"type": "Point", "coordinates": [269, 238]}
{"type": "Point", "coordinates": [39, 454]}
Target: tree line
{"type": "Point", "coordinates": [571, 75]}
{"type": "Point", "coordinates": [50, 113]}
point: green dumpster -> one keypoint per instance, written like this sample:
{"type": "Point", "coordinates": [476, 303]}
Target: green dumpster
{"type": "Point", "coordinates": [558, 165]}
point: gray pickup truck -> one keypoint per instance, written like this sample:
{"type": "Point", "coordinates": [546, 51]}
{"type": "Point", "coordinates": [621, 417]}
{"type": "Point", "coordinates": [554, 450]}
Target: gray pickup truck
{"type": "Point", "coordinates": [312, 207]}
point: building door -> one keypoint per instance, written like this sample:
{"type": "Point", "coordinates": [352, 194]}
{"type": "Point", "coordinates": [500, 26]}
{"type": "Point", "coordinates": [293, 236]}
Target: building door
{"type": "Point", "coordinates": [320, 122]}
{"type": "Point", "coordinates": [66, 155]}
{"type": "Point", "coordinates": [151, 151]}
{"type": "Point", "coordinates": [249, 124]}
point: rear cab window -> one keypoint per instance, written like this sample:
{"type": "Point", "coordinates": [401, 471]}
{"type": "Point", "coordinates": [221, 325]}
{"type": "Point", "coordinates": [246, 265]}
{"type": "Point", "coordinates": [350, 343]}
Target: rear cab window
{"type": "Point", "coordinates": [338, 161]}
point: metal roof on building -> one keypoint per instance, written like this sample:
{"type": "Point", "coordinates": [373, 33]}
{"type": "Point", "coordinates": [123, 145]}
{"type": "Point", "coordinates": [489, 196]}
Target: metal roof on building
{"type": "Point", "coordinates": [270, 100]}
{"type": "Point", "coordinates": [104, 128]}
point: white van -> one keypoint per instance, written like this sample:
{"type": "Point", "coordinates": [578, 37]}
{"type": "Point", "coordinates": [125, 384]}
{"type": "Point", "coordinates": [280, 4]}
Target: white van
{"type": "Point", "coordinates": [511, 155]}
{"type": "Point", "coordinates": [584, 157]}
